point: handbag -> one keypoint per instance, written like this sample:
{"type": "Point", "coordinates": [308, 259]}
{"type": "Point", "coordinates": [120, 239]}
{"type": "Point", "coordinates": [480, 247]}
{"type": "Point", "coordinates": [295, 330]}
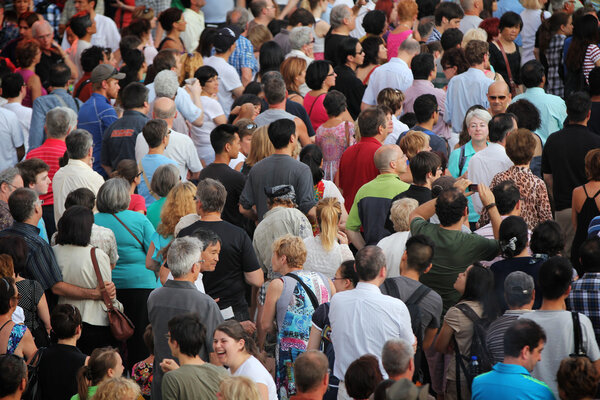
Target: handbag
{"type": "Point", "coordinates": [121, 326]}
{"type": "Point", "coordinates": [33, 390]}
{"type": "Point", "coordinates": [514, 88]}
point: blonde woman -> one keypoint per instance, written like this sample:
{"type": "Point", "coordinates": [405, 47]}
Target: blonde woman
{"type": "Point", "coordinates": [532, 17]}
{"type": "Point", "coordinates": [237, 388]}
{"type": "Point", "coordinates": [260, 148]}
{"type": "Point", "coordinates": [474, 34]}
{"type": "Point", "coordinates": [327, 250]}
{"type": "Point", "coordinates": [118, 389]}
{"type": "Point", "coordinates": [293, 70]}
{"type": "Point", "coordinates": [259, 35]}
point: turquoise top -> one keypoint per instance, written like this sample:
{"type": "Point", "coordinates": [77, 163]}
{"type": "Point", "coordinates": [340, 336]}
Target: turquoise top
{"type": "Point", "coordinates": [553, 110]}
{"type": "Point", "coordinates": [453, 162]}
{"type": "Point", "coordinates": [153, 212]}
{"type": "Point", "coordinates": [509, 378]}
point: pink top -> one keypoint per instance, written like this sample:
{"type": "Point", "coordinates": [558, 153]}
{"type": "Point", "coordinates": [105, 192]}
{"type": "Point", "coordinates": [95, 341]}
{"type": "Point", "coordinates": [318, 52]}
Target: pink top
{"type": "Point", "coordinates": [315, 109]}
{"type": "Point", "coordinates": [137, 203]}
{"type": "Point", "coordinates": [26, 74]}
{"type": "Point", "coordinates": [333, 141]}
{"type": "Point", "coordinates": [394, 40]}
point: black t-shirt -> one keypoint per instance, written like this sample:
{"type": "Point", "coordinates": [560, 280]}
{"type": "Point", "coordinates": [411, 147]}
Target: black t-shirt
{"type": "Point", "coordinates": [352, 87]}
{"type": "Point", "coordinates": [332, 44]}
{"type": "Point", "coordinates": [237, 256]}
{"type": "Point", "coordinates": [594, 122]}
{"type": "Point", "coordinates": [421, 194]}
{"type": "Point", "coordinates": [299, 111]}
{"type": "Point", "coordinates": [503, 268]}
{"type": "Point", "coordinates": [58, 371]}
{"type": "Point", "coordinates": [42, 69]}
{"type": "Point", "coordinates": [234, 183]}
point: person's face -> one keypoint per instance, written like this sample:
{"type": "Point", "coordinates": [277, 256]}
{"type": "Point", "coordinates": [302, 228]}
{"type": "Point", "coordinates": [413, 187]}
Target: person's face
{"type": "Point", "coordinates": [45, 37]}
{"type": "Point", "coordinates": [568, 28]}
{"type": "Point", "coordinates": [359, 54]}
{"type": "Point", "coordinates": [112, 88]}
{"type": "Point", "coordinates": [339, 282]}
{"type": "Point", "coordinates": [534, 356]}
{"type": "Point", "coordinates": [212, 85]}
{"type": "Point", "coordinates": [389, 124]}
{"type": "Point", "coordinates": [234, 149]}
{"type": "Point", "coordinates": [381, 54]}
{"type": "Point", "coordinates": [450, 71]}
{"type": "Point", "coordinates": [211, 257]}
{"type": "Point", "coordinates": [300, 79]}
{"type": "Point", "coordinates": [118, 369]}
{"type": "Point", "coordinates": [245, 144]}
{"type": "Point", "coordinates": [478, 130]}
{"type": "Point", "coordinates": [25, 30]}
{"type": "Point", "coordinates": [270, 10]}
{"type": "Point", "coordinates": [42, 181]}
{"type": "Point", "coordinates": [180, 25]}
{"type": "Point", "coordinates": [14, 301]}
{"type": "Point", "coordinates": [351, 20]}
{"type": "Point", "coordinates": [569, 6]}
{"type": "Point", "coordinates": [499, 98]}
{"type": "Point", "coordinates": [278, 262]}
{"type": "Point", "coordinates": [83, 5]}
{"type": "Point", "coordinates": [453, 23]}
{"type": "Point", "coordinates": [309, 48]}
{"type": "Point", "coordinates": [16, 183]}
{"type": "Point", "coordinates": [329, 79]}
{"type": "Point", "coordinates": [510, 33]}
{"type": "Point", "coordinates": [226, 347]}
{"type": "Point", "coordinates": [461, 281]}
{"type": "Point", "coordinates": [21, 6]}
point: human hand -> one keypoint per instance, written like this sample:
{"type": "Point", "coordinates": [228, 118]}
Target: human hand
{"type": "Point", "coordinates": [342, 237]}
{"type": "Point", "coordinates": [195, 90]}
{"type": "Point", "coordinates": [168, 365]}
{"type": "Point", "coordinates": [249, 327]}
{"type": "Point", "coordinates": [111, 290]}
{"type": "Point", "coordinates": [486, 195]}
{"type": "Point", "coordinates": [462, 184]}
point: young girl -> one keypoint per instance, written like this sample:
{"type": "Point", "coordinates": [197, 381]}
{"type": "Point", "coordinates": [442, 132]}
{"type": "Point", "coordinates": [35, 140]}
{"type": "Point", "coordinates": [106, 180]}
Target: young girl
{"type": "Point", "coordinates": [104, 363]}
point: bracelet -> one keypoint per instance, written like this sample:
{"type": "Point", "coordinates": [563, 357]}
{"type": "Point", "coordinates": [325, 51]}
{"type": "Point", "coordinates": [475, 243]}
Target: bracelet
{"type": "Point", "coordinates": [487, 208]}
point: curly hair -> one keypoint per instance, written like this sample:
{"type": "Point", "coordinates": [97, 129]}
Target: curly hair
{"type": "Point", "coordinates": [577, 378]}
{"type": "Point", "coordinates": [179, 202]}
{"type": "Point", "coordinates": [293, 248]}
{"type": "Point", "coordinates": [7, 267]}
{"type": "Point", "coordinates": [26, 51]}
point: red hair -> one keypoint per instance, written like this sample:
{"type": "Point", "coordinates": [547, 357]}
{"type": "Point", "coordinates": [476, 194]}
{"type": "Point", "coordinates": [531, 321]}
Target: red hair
{"type": "Point", "coordinates": [386, 6]}
{"type": "Point", "coordinates": [490, 25]}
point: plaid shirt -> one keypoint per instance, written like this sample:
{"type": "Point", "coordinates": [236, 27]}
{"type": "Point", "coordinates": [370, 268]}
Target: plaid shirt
{"type": "Point", "coordinates": [585, 298]}
{"type": "Point", "coordinates": [243, 56]}
{"type": "Point", "coordinates": [555, 83]}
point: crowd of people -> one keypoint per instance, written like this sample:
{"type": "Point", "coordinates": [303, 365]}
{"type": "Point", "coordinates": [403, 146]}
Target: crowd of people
{"type": "Point", "coordinates": [304, 200]}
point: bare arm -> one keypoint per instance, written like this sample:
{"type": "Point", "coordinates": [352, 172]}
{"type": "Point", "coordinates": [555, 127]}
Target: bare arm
{"type": "Point", "coordinates": [35, 85]}
{"type": "Point", "coordinates": [265, 324]}
{"type": "Point", "coordinates": [442, 343]}
{"type": "Point", "coordinates": [195, 92]}
{"type": "Point", "coordinates": [302, 134]}
{"type": "Point", "coordinates": [246, 76]}
{"type": "Point", "coordinates": [314, 340]}
{"type": "Point", "coordinates": [250, 214]}
{"type": "Point", "coordinates": [107, 168]}
{"type": "Point", "coordinates": [255, 278]}
{"type": "Point", "coordinates": [428, 337]}
{"type": "Point", "coordinates": [356, 239]}
{"type": "Point", "coordinates": [151, 264]}
{"type": "Point", "coordinates": [237, 92]}
{"type": "Point", "coordinates": [67, 290]}
{"type": "Point", "coordinates": [27, 346]}
{"type": "Point", "coordinates": [44, 313]}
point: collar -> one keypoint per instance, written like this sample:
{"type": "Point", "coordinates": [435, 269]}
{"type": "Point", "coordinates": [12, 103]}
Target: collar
{"type": "Point", "coordinates": [475, 71]}
{"type": "Point", "coordinates": [179, 284]}
{"type": "Point", "coordinates": [423, 82]}
{"type": "Point", "coordinates": [59, 91]}
{"type": "Point", "coordinates": [421, 129]}
{"type": "Point", "coordinates": [134, 113]}
{"type": "Point", "coordinates": [369, 287]}
{"type": "Point", "coordinates": [100, 97]}
{"type": "Point", "coordinates": [591, 275]}
{"type": "Point", "coordinates": [535, 91]}
{"type": "Point", "coordinates": [511, 369]}
{"type": "Point", "coordinates": [387, 176]}
{"type": "Point", "coordinates": [26, 227]}
{"type": "Point", "coordinates": [398, 60]}
{"type": "Point", "coordinates": [78, 163]}
{"type": "Point", "coordinates": [54, 142]}
{"type": "Point", "coordinates": [369, 140]}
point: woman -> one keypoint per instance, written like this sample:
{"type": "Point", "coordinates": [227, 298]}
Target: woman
{"type": "Point", "coordinates": [585, 204]}
{"type": "Point", "coordinates": [287, 302]}
{"type": "Point", "coordinates": [118, 389]}
{"type": "Point", "coordinates": [514, 243]}
{"type": "Point", "coordinates": [393, 100]}
{"type": "Point", "coordinates": [335, 135]}
{"type": "Point", "coordinates": [532, 17]}
{"type": "Point", "coordinates": [142, 28]}
{"type": "Point", "coordinates": [319, 78]}
{"type": "Point", "coordinates": [123, 13]}
{"type": "Point", "coordinates": [328, 249]}
{"type": "Point", "coordinates": [553, 33]}
{"type": "Point", "coordinates": [238, 388]}
{"type": "Point", "coordinates": [293, 70]}
{"type": "Point", "coordinates": [213, 113]}
{"type": "Point", "coordinates": [133, 281]}
{"type": "Point", "coordinates": [454, 63]}
{"type": "Point", "coordinates": [476, 288]}
{"type": "Point", "coordinates": [164, 179]}
{"type": "Point", "coordinates": [104, 363]}
{"type": "Point", "coordinates": [75, 260]}
{"type": "Point", "coordinates": [135, 68]}
{"type": "Point", "coordinates": [491, 27]}
{"type": "Point", "coordinates": [413, 143]}
{"type": "Point", "coordinates": [173, 23]}
{"type": "Point", "coordinates": [577, 379]}
{"type": "Point", "coordinates": [260, 148]}
{"type": "Point", "coordinates": [28, 55]}
{"type": "Point", "coordinates": [474, 34]}
{"type": "Point", "coordinates": [320, 28]}
{"type": "Point", "coordinates": [583, 54]}
{"type": "Point", "coordinates": [147, 14]}
{"type": "Point", "coordinates": [18, 338]}
{"type": "Point", "coordinates": [270, 58]}
{"type": "Point", "coordinates": [362, 377]}
{"type": "Point", "coordinates": [142, 371]}
{"type": "Point", "coordinates": [547, 240]}
{"type": "Point", "coordinates": [375, 54]}
{"type": "Point", "coordinates": [406, 15]}
{"type": "Point", "coordinates": [236, 349]}
{"type": "Point", "coordinates": [259, 35]}
{"type": "Point", "coordinates": [504, 48]}
{"type": "Point", "coordinates": [128, 170]}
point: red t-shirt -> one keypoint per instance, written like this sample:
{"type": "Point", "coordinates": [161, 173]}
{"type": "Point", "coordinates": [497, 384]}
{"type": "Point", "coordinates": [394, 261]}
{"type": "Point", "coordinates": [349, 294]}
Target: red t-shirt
{"type": "Point", "coordinates": [49, 152]}
{"type": "Point", "coordinates": [357, 168]}
{"type": "Point", "coordinates": [86, 91]}
{"type": "Point", "coordinates": [137, 203]}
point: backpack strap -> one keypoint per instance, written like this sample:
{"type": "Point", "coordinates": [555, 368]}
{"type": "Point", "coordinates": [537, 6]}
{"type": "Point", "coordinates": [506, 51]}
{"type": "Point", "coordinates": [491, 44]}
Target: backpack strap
{"type": "Point", "coordinates": [462, 160]}
{"type": "Point", "coordinates": [80, 87]}
{"type": "Point", "coordinates": [309, 292]}
{"type": "Point", "coordinates": [468, 311]}
{"type": "Point", "coordinates": [578, 339]}
{"type": "Point", "coordinates": [417, 295]}
{"type": "Point", "coordinates": [391, 288]}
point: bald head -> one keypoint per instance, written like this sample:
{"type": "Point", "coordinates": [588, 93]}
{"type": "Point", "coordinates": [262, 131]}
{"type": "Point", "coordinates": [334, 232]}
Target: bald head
{"type": "Point", "coordinates": [164, 108]}
{"type": "Point", "coordinates": [499, 97]}
{"type": "Point", "coordinates": [385, 155]}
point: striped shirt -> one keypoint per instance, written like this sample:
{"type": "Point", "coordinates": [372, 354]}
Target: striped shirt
{"type": "Point", "coordinates": [592, 55]}
{"type": "Point", "coordinates": [49, 152]}
{"type": "Point", "coordinates": [495, 333]}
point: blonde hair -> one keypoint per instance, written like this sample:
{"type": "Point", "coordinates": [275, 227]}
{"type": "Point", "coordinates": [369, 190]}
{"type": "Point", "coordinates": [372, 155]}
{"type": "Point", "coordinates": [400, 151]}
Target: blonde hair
{"type": "Point", "coordinates": [531, 4]}
{"type": "Point", "coordinates": [400, 211]}
{"type": "Point", "coordinates": [392, 98]}
{"type": "Point", "coordinates": [190, 62]}
{"type": "Point", "coordinates": [478, 113]}
{"type": "Point", "coordinates": [413, 142]}
{"type": "Point", "coordinates": [179, 202]}
{"type": "Point", "coordinates": [293, 248]}
{"type": "Point", "coordinates": [7, 267]}
{"type": "Point", "coordinates": [260, 147]}
{"type": "Point", "coordinates": [143, 12]}
{"type": "Point", "coordinates": [329, 211]}
{"type": "Point", "coordinates": [258, 35]}
{"type": "Point", "coordinates": [474, 34]}
{"type": "Point", "coordinates": [118, 389]}
{"type": "Point", "coordinates": [238, 388]}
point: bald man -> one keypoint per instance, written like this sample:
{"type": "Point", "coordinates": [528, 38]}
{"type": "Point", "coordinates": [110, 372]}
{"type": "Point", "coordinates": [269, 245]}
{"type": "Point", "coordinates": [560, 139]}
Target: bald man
{"type": "Point", "coordinates": [181, 149]}
{"type": "Point", "coordinates": [499, 97]}
{"type": "Point", "coordinates": [374, 198]}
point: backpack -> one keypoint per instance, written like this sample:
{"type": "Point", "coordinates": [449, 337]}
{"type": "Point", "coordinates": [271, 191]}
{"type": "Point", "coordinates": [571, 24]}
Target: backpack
{"type": "Point", "coordinates": [413, 304]}
{"type": "Point", "coordinates": [478, 349]}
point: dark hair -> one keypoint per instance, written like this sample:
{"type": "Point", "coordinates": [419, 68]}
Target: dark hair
{"type": "Point", "coordinates": [455, 58]}
{"type": "Point", "coordinates": [479, 287]}
{"type": "Point", "coordinates": [579, 105]}
{"type": "Point", "coordinates": [316, 73]}
{"type": "Point", "coordinates": [75, 226]}
{"type": "Point", "coordinates": [371, 48]}
{"type": "Point", "coordinates": [29, 170]}
{"type": "Point", "coordinates": [547, 238]}
{"type": "Point", "coordinates": [234, 330]}
{"type": "Point", "coordinates": [14, 370]}
{"type": "Point", "coordinates": [510, 19]}
{"type": "Point", "coordinates": [409, 119]}
{"type": "Point", "coordinates": [451, 38]}
{"type": "Point", "coordinates": [585, 32]}
{"type": "Point", "coordinates": [362, 377]}
{"type": "Point", "coordinates": [207, 237]}
{"type": "Point", "coordinates": [11, 85]}
{"type": "Point", "coordinates": [419, 253]}
{"type": "Point", "coordinates": [422, 65]}
{"type": "Point", "coordinates": [370, 120]}
{"type": "Point", "coordinates": [374, 22]}
{"type": "Point", "coordinates": [134, 61]}
{"type": "Point", "coordinates": [513, 236]}
{"type": "Point", "coordinates": [301, 16]}
{"type": "Point", "coordinates": [450, 206]}
{"type": "Point", "coordinates": [222, 135]}
{"type": "Point", "coordinates": [555, 277]}
{"type": "Point", "coordinates": [205, 44]}
{"type": "Point", "coordinates": [169, 17]}
{"type": "Point", "coordinates": [276, 25]}
{"type": "Point", "coordinates": [550, 27]}
{"type": "Point", "coordinates": [475, 51]}
{"type": "Point", "coordinates": [165, 59]}
{"type": "Point", "coordinates": [334, 103]}
{"type": "Point", "coordinates": [65, 319]}
{"type": "Point", "coordinates": [421, 164]}
{"type": "Point", "coordinates": [126, 169]}
{"type": "Point", "coordinates": [594, 81]}
{"type": "Point", "coordinates": [257, 6]}
{"type": "Point", "coordinates": [348, 272]}
{"type": "Point", "coordinates": [100, 361]}
{"type": "Point", "coordinates": [499, 126]}
{"type": "Point", "coordinates": [244, 99]}
{"type": "Point", "coordinates": [7, 293]}
{"type": "Point", "coordinates": [368, 262]}
{"type": "Point", "coordinates": [59, 75]}
{"type": "Point", "coordinates": [22, 203]}
{"type": "Point", "coordinates": [280, 132]}
{"type": "Point", "coordinates": [154, 132]}
{"type": "Point", "coordinates": [80, 22]}
{"type": "Point", "coordinates": [148, 338]}
{"type": "Point", "coordinates": [312, 156]}
{"type": "Point", "coordinates": [137, 27]}
{"type": "Point", "coordinates": [134, 95]}
{"type": "Point", "coordinates": [91, 58]}
{"type": "Point", "coordinates": [346, 47]}
{"type": "Point", "coordinates": [128, 43]}
{"type": "Point", "coordinates": [521, 333]}
{"type": "Point", "coordinates": [204, 73]}
{"type": "Point", "coordinates": [425, 105]}
{"type": "Point", "coordinates": [532, 73]}
{"type": "Point", "coordinates": [449, 10]}
{"type": "Point", "coordinates": [270, 57]}
{"type": "Point", "coordinates": [16, 247]}
{"type": "Point", "coordinates": [381, 389]}
{"type": "Point", "coordinates": [577, 378]}
{"type": "Point", "coordinates": [528, 116]}
{"type": "Point", "coordinates": [81, 197]}
{"type": "Point", "coordinates": [189, 333]}
{"type": "Point", "coordinates": [507, 195]}
{"type": "Point", "coordinates": [589, 254]}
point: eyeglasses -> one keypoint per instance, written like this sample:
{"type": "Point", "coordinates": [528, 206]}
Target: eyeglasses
{"type": "Point", "coordinates": [497, 97]}
{"type": "Point", "coordinates": [360, 52]}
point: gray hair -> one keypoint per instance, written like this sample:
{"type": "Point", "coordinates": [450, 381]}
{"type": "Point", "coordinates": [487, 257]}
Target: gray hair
{"type": "Point", "coordinates": [40, 25]}
{"type": "Point", "coordinates": [474, 34]}
{"type": "Point", "coordinates": [79, 142]}
{"type": "Point", "coordinates": [164, 179]}
{"type": "Point", "coordinates": [113, 196]}
{"type": "Point", "coordinates": [478, 113]}
{"type": "Point", "coordinates": [299, 36]}
{"type": "Point", "coordinates": [242, 21]}
{"type": "Point", "coordinates": [183, 253]}
{"type": "Point", "coordinates": [212, 194]}
{"type": "Point", "coordinates": [410, 46]}
{"type": "Point", "coordinates": [161, 113]}
{"type": "Point", "coordinates": [338, 14]}
{"type": "Point", "coordinates": [400, 211]}
{"type": "Point", "coordinates": [274, 87]}
{"type": "Point", "coordinates": [8, 175]}
{"type": "Point", "coordinates": [22, 203]}
{"type": "Point", "coordinates": [557, 5]}
{"type": "Point", "coordinates": [395, 356]}
{"type": "Point", "coordinates": [166, 84]}
{"type": "Point", "coordinates": [60, 121]}
{"type": "Point", "coordinates": [368, 262]}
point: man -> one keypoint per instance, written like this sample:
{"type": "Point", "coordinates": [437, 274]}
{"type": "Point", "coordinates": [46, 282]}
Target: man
{"type": "Point", "coordinates": [226, 143]}
{"type": "Point", "coordinates": [356, 164]}
{"type": "Point", "coordinates": [451, 38]}
{"type": "Point", "coordinates": [508, 202]}
{"type": "Point", "coordinates": [278, 169]}
{"type": "Point", "coordinates": [14, 91]}
{"type": "Point", "coordinates": [485, 164]}
{"type": "Point", "coordinates": [424, 72]}
{"type": "Point", "coordinates": [563, 160]}
{"type": "Point", "coordinates": [242, 58]}
{"type": "Point", "coordinates": [397, 360]}
{"type": "Point", "coordinates": [119, 139]}
{"type": "Point", "coordinates": [156, 133]}
{"type": "Point", "coordinates": [10, 180]}
{"type": "Point", "coordinates": [237, 264]}
{"type": "Point", "coordinates": [350, 56]}
{"type": "Point", "coordinates": [470, 87]}
{"type": "Point", "coordinates": [365, 312]}
{"type": "Point", "coordinates": [230, 85]}
{"type": "Point", "coordinates": [263, 12]}
{"type": "Point", "coordinates": [107, 34]}
{"type": "Point", "coordinates": [179, 296]}
{"type": "Point", "coordinates": [342, 21]}
{"type": "Point", "coordinates": [311, 374]}
{"type": "Point", "coordinates": [301, 18]}
{"type": "Point", "coordinates": [90, 59]}
{"type": "Point", "coordinates": [194, 18]}
{"type": "Point", "coordinates": [83, 27]}
{"type": "Point", "coordinates": [427, 112]}
{"type": "Point", "coordinates": [78, 172]}
{"type": "Point", "coordinates": [12, 139]}
{"type": "Point", "coordinates": [519, 294]}
{"type": "Point", "coordinates": [555, 278]}
{"type": "Point", "coordinates": [446, 15]}
{"type": "Point", "coordinates": [373, 199]}
{"type": "Point", "coordinates": [60, 121]}
{"type": "Point", "coordinates": [166, 84]}
{"type": "Point", "coordinates": [13, 379]}
{"type": "Point", "coordinates": [394, 74]}
{"type": "Point", "coordinates": [51, 54]}
{"type": "Point", "coordinates": [25, 21]}
{"type": "Point", "coordinates": [552, 108]}
{"type": "Point", "coordinates": [472, 9]}
{"type": "Point", "coordinates": [97, 114]}
{"type": "Point", "coordinates": [34, 173]}
{"type": "Point", "coordinates": [523, 345]}
{"type": "Point", "coordinates": [499, 97]}
{"type": "Point", "coordinates": [181, 147]}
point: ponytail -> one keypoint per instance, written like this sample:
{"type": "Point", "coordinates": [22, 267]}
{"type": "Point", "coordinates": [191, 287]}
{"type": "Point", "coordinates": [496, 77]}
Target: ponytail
{"type": "Point", "coordinates": [96, 370]}
{"type": "Point", "coordinates": [83, 382]}
{"type": "Point", "coordinates": [329, 211]}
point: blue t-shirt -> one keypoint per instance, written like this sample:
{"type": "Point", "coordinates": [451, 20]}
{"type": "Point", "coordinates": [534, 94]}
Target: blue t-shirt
{"type": "Point", "coordinates": [150, 163]}
{"type": "Point", "coordinates": [509, 378]}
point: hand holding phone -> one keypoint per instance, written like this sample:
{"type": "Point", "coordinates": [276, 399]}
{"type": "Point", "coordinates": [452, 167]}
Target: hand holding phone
{"type": "Point", "coordinates": [473, 188]}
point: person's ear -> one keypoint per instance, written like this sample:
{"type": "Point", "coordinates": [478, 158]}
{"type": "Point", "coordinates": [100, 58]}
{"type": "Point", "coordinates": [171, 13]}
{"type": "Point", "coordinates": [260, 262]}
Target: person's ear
{"type": "Point", "coordinates": [23, 385]}
{"type": "Point", "coordinates": [466, 212]}
{"type": "Point", "coordinates": [428, 268]}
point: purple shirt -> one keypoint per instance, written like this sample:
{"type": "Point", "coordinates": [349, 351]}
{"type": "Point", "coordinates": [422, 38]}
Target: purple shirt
{"type": "Point", "coordinates": [420, 87]}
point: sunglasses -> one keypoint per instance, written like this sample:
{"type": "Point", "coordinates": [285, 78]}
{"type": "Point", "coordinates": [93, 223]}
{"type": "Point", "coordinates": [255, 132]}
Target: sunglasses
{"type": "Point", "coordinates": [497, 97]}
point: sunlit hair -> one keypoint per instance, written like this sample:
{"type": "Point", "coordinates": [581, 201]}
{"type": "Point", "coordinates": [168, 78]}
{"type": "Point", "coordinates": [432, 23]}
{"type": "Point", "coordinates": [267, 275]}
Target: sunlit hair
{"type": "Point", "coordinates": [414, 142]}
{"type": "Point", "coordinates": [293, 248]}
{"type": "Point", "coordinates": [577, 378]}
{"type": "Point", "coordinates": [260, 147]}
{"type": "Point", "coordinates": [592, 165]}
{"type": "Point", "coordinates": [118, 388]}
{"type": "Point", "coordinates": [179, 202]}
{"type": "Point", "coordinates": [329, 211]}
{"type": "Point", "coordinates": [7, 267]}
{"type": "Point", "coordinates": [237, 388]}
{"type": "Point", "coordinates": [290, 69]}
{"type": "Point", "coordinates": [400, 211]}
{"type": "Point", "coordinates": [100, 361]}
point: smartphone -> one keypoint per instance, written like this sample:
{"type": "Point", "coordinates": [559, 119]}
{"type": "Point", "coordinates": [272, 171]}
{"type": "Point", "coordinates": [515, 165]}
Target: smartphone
{"type": "Point", "coordinates": [473, 187]}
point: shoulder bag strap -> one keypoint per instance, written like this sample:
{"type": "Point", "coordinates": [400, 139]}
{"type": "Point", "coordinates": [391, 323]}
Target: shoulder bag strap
{"type": "Point", "coordinates": [313, 104]}
{"type": "Point", "coordinates": [105, 297]}
{"type": "Point", "coordinates": [461, 160]}
{"type": "Point", "coordinates": [129, 230]}
{"type": "Point", "coordinates": [511, 82]}
{"type": "Point", "coordinates": [141, 169]}
{"type": "Point", "coordinates": [347, 129]}
{"type": "Point", "coordinates": [391, 288]}
{"type": "Point", "coordinates": [418, 294]}
{"type": "Point", "coordinates": [579, 352]}
{"type": "Point", "coordinates": [60, 100]}
{"type": "Point", "coordinates": [468, 311]}
{"type": "Point", "coordinates": [80, 88]}
{"type": "Point", "coordinates": [309, 292]}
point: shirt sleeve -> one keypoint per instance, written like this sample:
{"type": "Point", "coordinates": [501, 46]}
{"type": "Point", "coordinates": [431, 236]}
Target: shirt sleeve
{"type": "Point", "coordinates": [318, 318]}
{"type": "Point", "coordinates": [148, 231]}
{"type": "Point", "coordinates": [192, 160]}
{"type": "Point", "coordinates": [249, 260]}
{"type": "Point", "coordinates": [305, 190]}
{"type": "Point", "coordinates": [353, 222]}
{"type": "Point", "coordinates": [369, 96]}
{"type": "Point", "coordinates": [18, 137]}
{"type": "Point", "coordinates": [448, 105]}
{"type": "Point", "coordinates": [36, 128]}
{"type": "Point", "coordinates": [169, 387]}
{"type": "Point", "coordinates": [230, 79]}
{"type": "Point", "coordinates": [186, 106]}
{"type": "Point", "coordinates": [247, 197]}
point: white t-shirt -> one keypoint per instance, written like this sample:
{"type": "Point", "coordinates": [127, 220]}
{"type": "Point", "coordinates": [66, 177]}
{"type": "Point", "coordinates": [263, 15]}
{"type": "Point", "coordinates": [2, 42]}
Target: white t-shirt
{"type": "Point", "coordinates": [253, 369]}
{"type": "Point", "coordinates": [399, 129]}
{"type": "Point", "coordinates": [24, 116]}
{"type": "Point", "coordinates": [201, 134]}
{"type": "Point", "coordinates": [228, 81]}
{"type": "Point", "coordinates": [107, 34]}
{"type": "Point", "coordinates": [199, 284]}
{"type": "Point", "coordinates": [240, 158]}
{"type": "Point", "coordinates": [11, 137]}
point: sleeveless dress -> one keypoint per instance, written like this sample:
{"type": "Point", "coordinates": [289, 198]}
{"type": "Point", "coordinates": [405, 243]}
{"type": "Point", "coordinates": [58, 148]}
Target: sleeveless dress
{"type": "Point", "coordinates": [26, 74]}
{"type": "Point", "coordinates": [294, 316]}
{"type": "Point", "coordinates": [589, 210]}
{"type": "Point", "coordinates": [333, 142]}
{"type": "Point", "coordinates": [16, 334]}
